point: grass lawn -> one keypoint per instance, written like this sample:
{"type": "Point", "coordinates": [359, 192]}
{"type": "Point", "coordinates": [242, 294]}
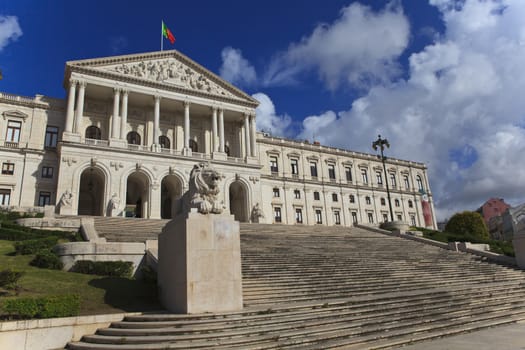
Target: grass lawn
{"type": "Point", "coordinates": [98, 294]}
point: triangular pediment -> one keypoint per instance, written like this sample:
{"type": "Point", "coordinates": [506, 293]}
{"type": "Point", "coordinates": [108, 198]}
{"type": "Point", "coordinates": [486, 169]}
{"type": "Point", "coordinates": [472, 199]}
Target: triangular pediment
{"type": "Point", "coordinates": [169, 69]}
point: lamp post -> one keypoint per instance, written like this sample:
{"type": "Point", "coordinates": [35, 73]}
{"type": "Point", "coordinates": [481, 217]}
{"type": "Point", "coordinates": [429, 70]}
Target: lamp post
{"type": "Point", "coordinates": [381, 144]}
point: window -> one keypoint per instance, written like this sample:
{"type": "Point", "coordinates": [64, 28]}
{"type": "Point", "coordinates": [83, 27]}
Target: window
{"type": "Point", "coordinates": [407, 183]}
{"type": "Point", "coordinates": [44, 198]}
{"type": "Point", "coordinates": [368, 200]}
{"type": "Point", "coordinates": [364, 176]}
{"type": "Point", "coordinates": [273, 165]}
{"type": "Point", "coordinates": [298, 216]}
{"type": "Point", "coordinates": [51, 136]}
{"type": "Point", "coordinates": [295, 167]}
{"type": "Point", "coordinates": [393, 180]}
{"type": "Point", "coordinates": [133, 138]}
{"type": "Point", "coordinates": [5, 196]}
{"type": "Point", "coordinates": [410, 204]}
{"type": "Point", "coordinates": [276, 192]}
{"type": "Point", "coordinates": [331, 171]}
{"type": "Point", "coordinates": [419, 183]}
{"type": "Point", "coordinates": [8, 168]}
{"type": "Point", "coordinates": [352, 198]}
{"type": "Point", "coordinates": [227, 150]}
{"type": "Point", "coordinates": [316, 196]}
{"type": "Point", "coordinates": [334, 197]}
{"type": "Point", "coordinates": [93, 132]}
{"type": "Point", "coordinates": [385, 217]}
{"type": "Point", "coordinates": [348, 172]}
{"type": "Point", "coordinates": [383, 202]}
{"type": "Point", "coordinates": [47, 172]}
{"type": "Point", "coordinates": [194, 146]}
{"type": "Point", "coordinates": [354, 217]}
{"type": "Point", "coordinates": [379, 178]}
{"type": "Point", "coordinates": [13, 131]}
{"type": "Point", "coordinates": [297, 194]}
{"type": "Point", "coordinates": [318, 216]}
{"type": "Point", "coordinates": [337, 217]}
{"type": "Point", "coordinates": [399, 217]}
{"type": "Point", "coordinates": [164, 142]}
{"type": "Point", "coordinates": [313, 169]}
{"type": "Point", "coordinates": [277, 214]}
{"type": "Point", "coordinates": [413, 220]}
{"type": "Point", "coordinates": [371, 218]}
{"type": "Point", "coordinates": [396, 202]}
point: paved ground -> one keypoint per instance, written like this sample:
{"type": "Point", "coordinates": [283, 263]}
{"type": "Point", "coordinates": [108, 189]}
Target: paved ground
{"type": "Point", "coordinates": [510, 337]}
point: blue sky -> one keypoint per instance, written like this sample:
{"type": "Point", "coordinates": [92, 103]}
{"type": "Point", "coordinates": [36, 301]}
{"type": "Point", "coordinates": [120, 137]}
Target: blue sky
{"type": "Point", "coordinates": [441, 79]}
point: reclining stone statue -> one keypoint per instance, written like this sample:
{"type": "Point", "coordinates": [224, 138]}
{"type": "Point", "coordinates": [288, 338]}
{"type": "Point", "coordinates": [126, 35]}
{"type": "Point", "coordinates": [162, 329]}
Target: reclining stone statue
{"type": "Point", "coordinates": [203, 190]}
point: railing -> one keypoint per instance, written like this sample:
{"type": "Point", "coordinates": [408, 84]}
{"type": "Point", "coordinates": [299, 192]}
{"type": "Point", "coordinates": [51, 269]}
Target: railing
{"type": "Point", "coordinates": [11, 144]}
{"type": "Point", "coordinates": [236, 160]}
{"type": "Point", "coordinates": [138, 148]}
{"type": "Point", "coordinates": [17, 98]}
{"type": "Point", "coordinates": [96, 142]}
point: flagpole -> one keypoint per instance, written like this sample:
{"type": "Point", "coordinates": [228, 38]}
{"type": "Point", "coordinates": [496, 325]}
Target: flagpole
{"type": "Point", "coordinates": [161, 41]}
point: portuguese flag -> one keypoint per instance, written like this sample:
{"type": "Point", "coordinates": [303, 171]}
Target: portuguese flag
{"type": "Point", "coordinates": [167, 33]}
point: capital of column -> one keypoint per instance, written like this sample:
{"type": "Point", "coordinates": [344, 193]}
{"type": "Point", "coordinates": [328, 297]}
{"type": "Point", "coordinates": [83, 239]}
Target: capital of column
{"type": "Point", "coordinates": [73, 82]}
{"type": "Point", "coordinates": [82, 83]}
{"type": "Point", "coordinates": [116, 90]}
{"type": "Point", "coordinates": [125, 92]}
{"type": "Point", "coordinates": [186, 103]}
{"type": "Point", "coordinates": [157, 98]}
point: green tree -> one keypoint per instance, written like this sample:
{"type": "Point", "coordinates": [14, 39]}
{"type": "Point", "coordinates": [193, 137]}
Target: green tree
{"type": "Point", "coordinates": [468, 224]}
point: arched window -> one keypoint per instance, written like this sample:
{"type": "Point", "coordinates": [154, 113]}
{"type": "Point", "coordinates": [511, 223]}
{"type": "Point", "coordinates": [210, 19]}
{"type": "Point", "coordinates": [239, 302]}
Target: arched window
{"type": "Point", "coordinates": [419, 183]}
{"type": "Point", "coordinates": [164, 142]}
{"type": "Point", "coordinates": [133, 138]}
{"type": "Point", "coordinates": [93, 132]}
{"type": "Point", "coordinates": [227, 150]}
{"type": "Point", "coordinates": [194, 146]}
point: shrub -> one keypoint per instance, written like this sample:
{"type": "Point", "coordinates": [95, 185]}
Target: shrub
{"type": "Point", "coordinates": [33, 246]}
{"type": "Point", "coordinates": [104, 268]}
{"type": "Point", "coordinates": [148, 274]}
{"type": "Point", "coordinates": [45, 307]}
{"type": "Point", "coordinates": [468, 224]}
{"type": "Point", "coordinates": [10, 234]}
{"type": "Point", "coordinates": [9, 278]}
{"type": "Point", "coordinates": [47, 260]}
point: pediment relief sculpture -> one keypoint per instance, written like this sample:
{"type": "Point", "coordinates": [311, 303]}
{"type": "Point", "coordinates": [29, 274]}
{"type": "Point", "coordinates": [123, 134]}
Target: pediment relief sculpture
{"type": "Point", "coordinates": [171, 71]}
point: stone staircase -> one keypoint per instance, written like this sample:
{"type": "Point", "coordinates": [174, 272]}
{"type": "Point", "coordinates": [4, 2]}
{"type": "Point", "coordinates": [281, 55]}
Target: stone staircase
{"type": "Point", "coordinates": [318, 287]}
{"type": "Point", "coordinates": [116, 229]}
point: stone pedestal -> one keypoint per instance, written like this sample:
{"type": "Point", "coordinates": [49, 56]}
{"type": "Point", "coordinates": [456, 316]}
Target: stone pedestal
{"type": "Point", "coordinates": [118, 143]}
{"type": "Point", "coordinates": [71, 137]}
{"type": "Point", "coordinates": [519, 248]}
{"type": "Point", "coordinates": [199, 266]}
{"type": "Point", "coordinates": [397, 225]}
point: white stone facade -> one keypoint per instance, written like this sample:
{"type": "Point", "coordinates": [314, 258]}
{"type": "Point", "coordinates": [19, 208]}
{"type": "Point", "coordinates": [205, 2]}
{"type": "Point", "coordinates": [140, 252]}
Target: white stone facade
{"type": "Point", "coordinates": [125, 139]}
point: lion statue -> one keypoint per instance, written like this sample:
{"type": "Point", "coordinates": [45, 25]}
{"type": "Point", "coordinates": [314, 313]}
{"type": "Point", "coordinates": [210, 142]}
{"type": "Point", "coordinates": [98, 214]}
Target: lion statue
{"type": "Point", "coordinates": [203, 190]}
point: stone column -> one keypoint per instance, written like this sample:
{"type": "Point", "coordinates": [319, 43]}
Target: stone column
{"type": "Point", "coordinates": [114, 117]}
{"type": "Point", "coordinates": [156, 122]}
{"type": "Point", "coordinates": [221, 130]}
{"type": "Point", "coordinates": [124, 116]}
{"type": "Point", "coordinates": [80, 106]}
{"type": "Point", "coordinates": [71, 105]}
{"type": "Point", "coordinates": [252, 135]}
{"type": "Point", "coordinates": [247, 135]}
{"type": "Point", "coordinates": [186, 125]}
{"type": "Point", "coordinates": [214, 142]}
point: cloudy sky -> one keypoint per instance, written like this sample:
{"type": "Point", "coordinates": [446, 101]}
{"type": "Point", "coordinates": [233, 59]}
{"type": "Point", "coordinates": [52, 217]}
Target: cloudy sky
{"type": "Point", "coordinates": [443, 80]}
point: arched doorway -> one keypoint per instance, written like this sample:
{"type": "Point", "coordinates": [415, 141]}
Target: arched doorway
{"type": "Point", "coordinates": [239, 201]}
{"type": "Point", "coordinates": [91, 192]}
{"type": "Point", "coordinates": [171, 193]}
{"type": "Point", "coordinates": [137, 195]}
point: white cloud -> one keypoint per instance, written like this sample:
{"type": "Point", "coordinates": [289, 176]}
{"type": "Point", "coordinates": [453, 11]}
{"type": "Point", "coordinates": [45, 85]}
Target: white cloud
{"type": "Point", "coordinates": [359, 48]}
{"type": "Point", "coordinates": [235, 68]}
{"type": "Point", "coordinates": [267, 119]}
{"type": "Point", "coordinates": [463, 93]}
{"type": "Point", "coordinates": [9, 30]}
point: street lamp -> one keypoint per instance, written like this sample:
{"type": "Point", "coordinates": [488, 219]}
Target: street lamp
{"type": "Point", "coordinates": [382, 143]}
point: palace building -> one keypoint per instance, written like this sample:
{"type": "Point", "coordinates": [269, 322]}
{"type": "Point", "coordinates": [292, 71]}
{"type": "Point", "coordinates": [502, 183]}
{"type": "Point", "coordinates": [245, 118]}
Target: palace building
{"type": "Point", "coordinates": [126, 138]}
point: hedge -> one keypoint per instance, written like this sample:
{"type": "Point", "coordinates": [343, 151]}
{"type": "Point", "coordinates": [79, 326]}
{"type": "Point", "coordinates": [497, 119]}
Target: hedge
{"type": "Point", "coordinates": [10, 234]}
{"type": "Point", "coordinates": [9, 278]}
{"type": "Point", "coordinates": [47, 260]}
{"type": "Point", "coordinates": [33, 246]}
{"type": "Point", "coordinates": [44, 307]}
{"type": "Point", "coordinates": [104, 268]}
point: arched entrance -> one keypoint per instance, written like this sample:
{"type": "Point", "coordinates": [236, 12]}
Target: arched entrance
{"type": "Point", "coordinates": [137, 195]}
{"type": "Point", "coordinates": [91, 192]}
{"type": "Point", "coordinates": [239, 201]}
{"type": "Point", "coordinates": [171, 193]}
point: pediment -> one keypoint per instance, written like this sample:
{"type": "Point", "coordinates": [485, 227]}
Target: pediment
{"type": "Point", "coordinates": [169, 69]}
{"type": "Point", "coordinates": [14, 114]}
